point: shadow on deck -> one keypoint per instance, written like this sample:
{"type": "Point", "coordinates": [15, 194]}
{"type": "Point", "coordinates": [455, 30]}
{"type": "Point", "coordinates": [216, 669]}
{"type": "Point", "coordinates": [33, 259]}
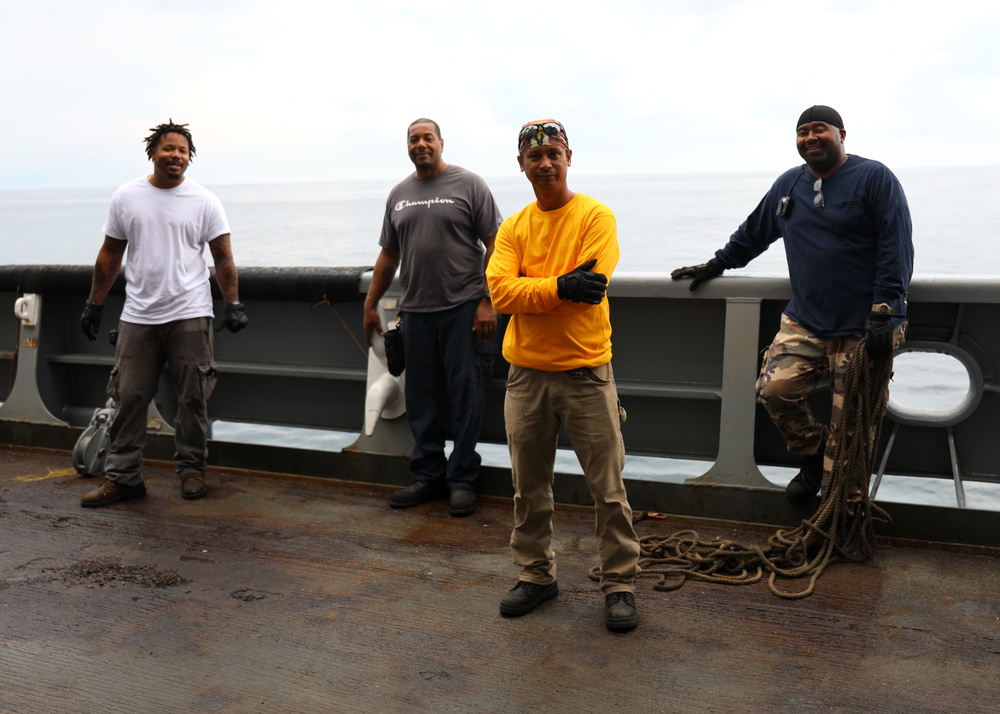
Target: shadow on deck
{"type": "Point", "coordinates": [311, 595]}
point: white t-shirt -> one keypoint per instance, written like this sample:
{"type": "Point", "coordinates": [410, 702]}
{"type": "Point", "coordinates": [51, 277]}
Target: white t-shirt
{"type": "Point", "coordinates": [166, 228]}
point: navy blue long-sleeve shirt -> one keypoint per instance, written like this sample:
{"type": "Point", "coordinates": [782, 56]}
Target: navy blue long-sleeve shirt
{"type": "Point", "coordinates": [855, 251]}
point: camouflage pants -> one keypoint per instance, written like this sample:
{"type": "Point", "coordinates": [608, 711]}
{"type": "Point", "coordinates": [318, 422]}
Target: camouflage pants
{"type": "Point", "coordinates": [793, 365]}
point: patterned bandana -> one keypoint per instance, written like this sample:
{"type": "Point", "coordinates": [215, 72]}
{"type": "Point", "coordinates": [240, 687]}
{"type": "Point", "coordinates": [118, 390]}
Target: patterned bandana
{"type": "Point", "coordinates": [541, 132]}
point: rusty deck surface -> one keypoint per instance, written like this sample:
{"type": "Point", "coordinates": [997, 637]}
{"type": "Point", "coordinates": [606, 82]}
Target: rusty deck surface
{"type": "Point", "coordinates": [282, 594]}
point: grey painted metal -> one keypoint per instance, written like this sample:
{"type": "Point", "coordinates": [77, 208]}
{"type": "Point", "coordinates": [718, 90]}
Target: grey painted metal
{"type": "Point", "coordinates": [685, 364]}
{"type": "Point", "coordinates": [956, 469]}
{"type": "Point", "coordinates": [951, 315]}
{"type": "Point", "coordinates": [734, 464]}
{"type": "Point", "coordinates": [24, 403]}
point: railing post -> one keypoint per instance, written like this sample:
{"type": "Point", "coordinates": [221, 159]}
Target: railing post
{"type": "Point", "coordinates": [735, 464]}
{"type": "Point", "coordinates": [24, 403]}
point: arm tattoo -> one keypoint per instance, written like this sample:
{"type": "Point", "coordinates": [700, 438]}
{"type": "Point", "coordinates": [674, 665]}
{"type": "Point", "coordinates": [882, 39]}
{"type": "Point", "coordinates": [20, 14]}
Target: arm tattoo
{"type": "Point", "coordinates": [388, 273]}
{"type": "Point", "coordinates": [225, 269]}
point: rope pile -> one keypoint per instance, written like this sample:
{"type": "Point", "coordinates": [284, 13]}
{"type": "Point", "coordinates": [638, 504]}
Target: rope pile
{"type": "Point", "coordinates": [841, 529]}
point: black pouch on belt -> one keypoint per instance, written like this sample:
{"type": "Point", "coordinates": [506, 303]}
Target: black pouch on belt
{"type": "Point", "coordinates": [394, 349]}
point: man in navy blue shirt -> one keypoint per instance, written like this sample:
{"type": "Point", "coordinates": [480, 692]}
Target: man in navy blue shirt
{"type": "Point", "coordinates": [849, 245]}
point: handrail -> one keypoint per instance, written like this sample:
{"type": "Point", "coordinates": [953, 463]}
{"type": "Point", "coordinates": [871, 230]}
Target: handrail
{"type": "Point", "coordinates": [685, 365]}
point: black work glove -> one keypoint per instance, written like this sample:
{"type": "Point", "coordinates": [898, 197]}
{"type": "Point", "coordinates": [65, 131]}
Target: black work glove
{"type": "Point", "coordinates": [236, 317]}
{"type": "Point", "coordinates": [878, 334]}
{"type": "Point", "coordinates": [581, 285]}
{"type": "Point", "coordinates": [701, 273]}
{"type": "Point", "coordinates": [90, 320]}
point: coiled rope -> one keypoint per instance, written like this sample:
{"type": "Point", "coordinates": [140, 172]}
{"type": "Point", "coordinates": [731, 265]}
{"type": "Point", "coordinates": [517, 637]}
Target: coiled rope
{"type": "Point", "coordinates": [841, 529]}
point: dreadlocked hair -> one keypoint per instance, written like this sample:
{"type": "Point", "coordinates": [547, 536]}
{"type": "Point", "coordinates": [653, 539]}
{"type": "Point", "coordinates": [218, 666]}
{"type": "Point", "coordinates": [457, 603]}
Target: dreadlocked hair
{"type": "Point", "coordinates": [153, 140]}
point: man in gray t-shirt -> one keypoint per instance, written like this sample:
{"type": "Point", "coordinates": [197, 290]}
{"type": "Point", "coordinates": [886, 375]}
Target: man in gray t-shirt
{"type": "Point", "coordinates": [439, 228]}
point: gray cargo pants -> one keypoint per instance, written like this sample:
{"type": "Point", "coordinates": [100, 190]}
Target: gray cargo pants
{"type": "Point", "coordinates": [187, 348]}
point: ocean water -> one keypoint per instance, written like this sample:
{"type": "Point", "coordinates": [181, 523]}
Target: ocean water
{"type": "Point", "coordinates": [664, 221]}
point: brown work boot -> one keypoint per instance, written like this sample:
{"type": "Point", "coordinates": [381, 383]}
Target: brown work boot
{"type": "Point", "coordinates": [109, 492]}
{"type": "Point", "coordinates": [193, 485]}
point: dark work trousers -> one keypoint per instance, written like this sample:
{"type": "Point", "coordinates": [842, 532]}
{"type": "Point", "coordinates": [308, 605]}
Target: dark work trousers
{"type": "Point", "coordinates": [446, 373]}
{"type": "Point", "coordinates": [186, 346]}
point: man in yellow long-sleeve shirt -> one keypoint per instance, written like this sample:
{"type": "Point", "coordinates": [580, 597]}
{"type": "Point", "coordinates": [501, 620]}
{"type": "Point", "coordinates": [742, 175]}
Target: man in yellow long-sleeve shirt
{"type": "Point", "coordinates": [550, 271]}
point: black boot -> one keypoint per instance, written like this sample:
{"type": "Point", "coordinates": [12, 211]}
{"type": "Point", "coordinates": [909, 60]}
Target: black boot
{"type": "Point", "coordinates": [809, 479]}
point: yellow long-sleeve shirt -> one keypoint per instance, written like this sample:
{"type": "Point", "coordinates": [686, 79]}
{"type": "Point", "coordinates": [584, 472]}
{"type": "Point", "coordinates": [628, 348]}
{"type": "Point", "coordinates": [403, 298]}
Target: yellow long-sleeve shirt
{"type": "Point", "coordinates": [535, 247]}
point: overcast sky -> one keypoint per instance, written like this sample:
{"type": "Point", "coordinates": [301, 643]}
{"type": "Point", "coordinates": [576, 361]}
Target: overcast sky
{"type": "Point", "coordinates": [321, 91]}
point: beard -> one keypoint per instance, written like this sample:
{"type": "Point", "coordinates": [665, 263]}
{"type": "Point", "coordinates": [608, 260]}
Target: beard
{"type": "Point", "coordinates": [819, 157]}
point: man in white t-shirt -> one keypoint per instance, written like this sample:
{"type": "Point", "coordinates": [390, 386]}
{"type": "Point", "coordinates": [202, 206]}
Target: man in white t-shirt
{"type": "Point", "coordinates": [164, 220]}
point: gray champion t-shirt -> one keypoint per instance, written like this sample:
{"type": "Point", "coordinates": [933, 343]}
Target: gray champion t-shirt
{"type": "Point", "coordinates": [438, 226]}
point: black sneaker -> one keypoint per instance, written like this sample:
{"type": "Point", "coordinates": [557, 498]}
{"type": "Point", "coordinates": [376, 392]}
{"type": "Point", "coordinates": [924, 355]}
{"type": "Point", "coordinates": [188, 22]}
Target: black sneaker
{"type": "Point", "coordinates": [525, 597]}
{"type": "Point", "coordinates": [620, 613]}
{"type": "Point", "coordinates": [462, 502]}
{"type": "Point", "coordinates": [416, 493]}
{"type": "Point", "coordinates": [807, 481]}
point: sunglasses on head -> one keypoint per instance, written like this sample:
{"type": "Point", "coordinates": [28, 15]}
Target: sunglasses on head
{"type": "Point", "coordinates": [549, 128]}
